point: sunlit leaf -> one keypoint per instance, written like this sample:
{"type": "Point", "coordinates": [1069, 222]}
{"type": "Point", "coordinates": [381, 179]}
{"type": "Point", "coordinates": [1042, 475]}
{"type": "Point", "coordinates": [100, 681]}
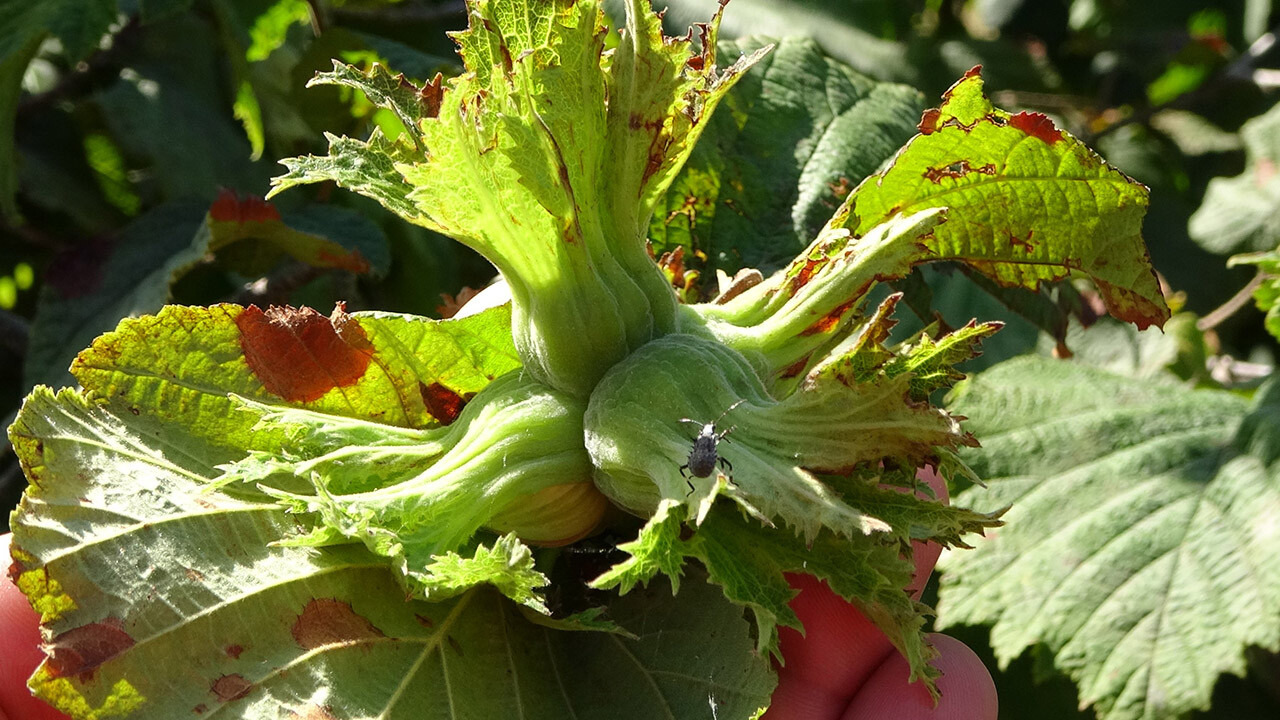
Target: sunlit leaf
{"type": "Point", "coordinates": [160, 572]}
{"type": "Point", "coordinates": [1140, 548]}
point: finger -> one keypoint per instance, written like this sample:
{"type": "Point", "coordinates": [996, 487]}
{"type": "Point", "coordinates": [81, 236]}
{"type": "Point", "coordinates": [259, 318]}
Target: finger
{"type": "Point", "coordinates": [840, 648]}
{"type": "Point", "coordinates": [968, 692]}
{"type": "Point", "coordinates": [19, 654]}
{"type": "Point", "coordinates": [838, 652]}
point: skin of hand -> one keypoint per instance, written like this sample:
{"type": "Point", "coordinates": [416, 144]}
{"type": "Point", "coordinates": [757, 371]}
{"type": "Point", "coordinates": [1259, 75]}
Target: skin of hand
{"type": "Point", "coordinates": [842, 668]}
{"type": "Point", "coordinates": [19, 653]}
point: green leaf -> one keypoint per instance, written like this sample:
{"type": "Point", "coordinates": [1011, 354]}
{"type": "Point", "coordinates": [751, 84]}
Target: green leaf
{"type": "Point", "coordinates": [993, 14]}
{"type": "Point", "coordinates": [271, 27]}
{"type": "Point", "coordinates": [1026, 203]}
{"type": "Point", "coordinates": [656, 549]}
{"type": "Point", "coordinates": [79, 28]}
{"type": "Point", "coordinates": [1049, 311]}
{"type": "Point", "coordinates": [1140, 547]}
{"type": "Point", "coordinates": [343, 416]}
{"type": "Point", "coordinates": [858, 572]}
{"type": "Point", "coordinates": [848, 31]}
{"type": "Point", "coordinates": [247, 110]}
{"type": "Point", "coordinates": [111, 173]}
{"type": "Point", "coordinates": [169, 114]}
{"type": "Point", "coordinates": [792, 138]}
{"type": "Point", "coordinates": [507, 565]}
{"type": "Point", "coordinates": [159, 247]}
{"type": "Point", "coordinates": [181, 365]}
{"type": "Point", "coordinates": [1195, 62]}
{"type": "Point", "coordinates": [152, 10]}
{"type": "Point", "coordinates": [250, 35]}
{"type": "Point", "coordinates": [1267, 294]}
{"type": "Point", "coordinates": [1242, 213]}
{"type": "Point", "coordinates": [366, 167]}
{"type": "Point", "coordinates": [12, 67]}
{"type": "Point", "coordinates": [134, 278]}
{"type": "Point", "coordinates": [1122, 349]}
{"type": "Point", "coordinates": [78, 25]}
{"type": "Point", "coordinates": [931, 362]}
{"type": "Point", "coordinates": [55, 158]}
{"type": "Point", "coordinates": [1193, 134]}
{"type": "Point", "coordinates": [395, 92]}
{"type": "Point", "coordinates": [869, 572]}
{"type": "Point", "coordinates": [416, 64]}
{"type": "Point", "coordinates": [135, 565]}
{"type": "Point", "coordinates": [936, 201]}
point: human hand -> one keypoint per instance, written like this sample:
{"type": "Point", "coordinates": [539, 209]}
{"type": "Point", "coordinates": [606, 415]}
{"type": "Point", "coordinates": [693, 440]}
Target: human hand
{"type": "Point", "coordinates": [844, 668]}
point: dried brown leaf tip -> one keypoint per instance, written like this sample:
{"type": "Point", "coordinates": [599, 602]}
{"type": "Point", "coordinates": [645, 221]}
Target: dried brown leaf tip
{"type": "Point", "coordinates": [431, 96]}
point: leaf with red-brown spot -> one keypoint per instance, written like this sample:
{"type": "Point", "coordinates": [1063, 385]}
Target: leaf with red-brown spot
{"type": "Point", "coordinates": [179, 368]}
{"type": "Point", "coordinates": [84, 648]}
{"type": "Point", "coordinates": [1004, 180]}
{"type": "Point", "coordinates": [329, 629]}
{"type": "Point", "coordinates": [444, 404]}
{"type": "Point", "coordinates": [1036, 125]}
{"type": "Point", "coordinates": [327, 621]}
{"type": "Point", "coordinates": [297, 353]}
{"type": "Point", "coordinates": [250, 234]}
{"type": "Point", "coordinates": [96, 285]}
{"type": "Point", "coordinates": [231, 687]}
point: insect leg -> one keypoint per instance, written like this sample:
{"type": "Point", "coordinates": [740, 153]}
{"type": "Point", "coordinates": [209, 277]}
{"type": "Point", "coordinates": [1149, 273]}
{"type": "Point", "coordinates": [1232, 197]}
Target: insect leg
{"type": "Point", "coordinates": [688, 482]}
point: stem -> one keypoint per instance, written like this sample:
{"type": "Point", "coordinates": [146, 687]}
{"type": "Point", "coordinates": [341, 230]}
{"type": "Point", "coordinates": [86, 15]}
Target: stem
{"type": "Point", "coordinates": [1230, 307]}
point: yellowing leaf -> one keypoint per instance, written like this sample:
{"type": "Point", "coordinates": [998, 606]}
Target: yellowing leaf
{"type": "Point", "coordinates": [1026, 203]}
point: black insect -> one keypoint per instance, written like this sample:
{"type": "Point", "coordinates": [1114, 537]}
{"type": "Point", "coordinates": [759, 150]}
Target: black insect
{"type": "Point", "coordinates": [703, 457]}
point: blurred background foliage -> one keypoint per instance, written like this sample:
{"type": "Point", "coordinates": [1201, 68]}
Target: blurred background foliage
{"type": "Point", "coordinates": [137, 138]}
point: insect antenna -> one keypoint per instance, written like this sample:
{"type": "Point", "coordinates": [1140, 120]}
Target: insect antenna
{"type": "Point", "coordinates": [728, 410]}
